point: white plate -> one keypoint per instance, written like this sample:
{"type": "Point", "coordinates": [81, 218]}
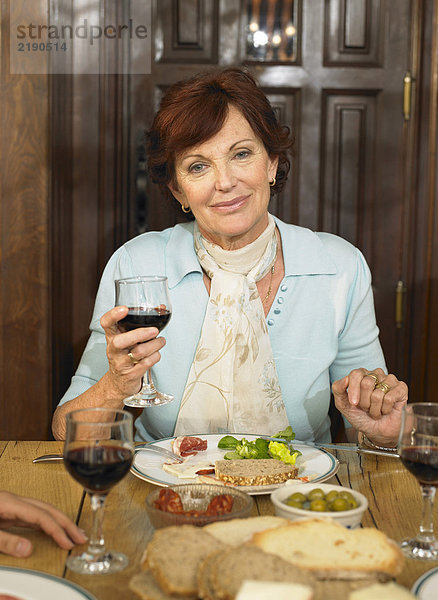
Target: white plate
{"type": "Point", "coordinates": [34, 585]}
{"type": "Point", "coordinates": [314, 463]}
{"type": "Point", "coordinates": [426, 587]}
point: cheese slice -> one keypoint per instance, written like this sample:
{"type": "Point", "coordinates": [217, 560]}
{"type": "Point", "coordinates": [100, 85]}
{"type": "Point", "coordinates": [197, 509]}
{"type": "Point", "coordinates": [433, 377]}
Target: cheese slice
{"type": "Point", "coordinates": [186, 470]}
{"type": "Point", "coordinates": [260, 590]}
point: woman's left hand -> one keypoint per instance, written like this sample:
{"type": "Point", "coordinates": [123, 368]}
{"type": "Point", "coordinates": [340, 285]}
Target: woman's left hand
{"type": "Point", "coordinates": [376, 411]}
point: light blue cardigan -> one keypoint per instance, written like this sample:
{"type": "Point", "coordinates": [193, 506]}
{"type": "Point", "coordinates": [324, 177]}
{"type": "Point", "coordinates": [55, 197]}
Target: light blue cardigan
{"type": "Point", "coordinates": [321, 323]}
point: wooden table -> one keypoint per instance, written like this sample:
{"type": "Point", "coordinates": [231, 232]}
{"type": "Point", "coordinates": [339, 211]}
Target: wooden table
{"type": "Point", "coordinates": [393, 495]}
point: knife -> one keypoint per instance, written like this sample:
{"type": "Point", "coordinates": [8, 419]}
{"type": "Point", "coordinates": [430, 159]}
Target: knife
{"type": "Point", "coordinates": [351, 447]}
{"type": "Point", "coordinates": [149, 447]}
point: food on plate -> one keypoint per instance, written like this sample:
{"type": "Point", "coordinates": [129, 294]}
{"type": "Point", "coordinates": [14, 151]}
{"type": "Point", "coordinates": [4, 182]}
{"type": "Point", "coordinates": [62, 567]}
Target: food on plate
{"type": "Point", "coordinates": [382, 591]}
{"type": "Point", "coordinates": [261, 448]}
{"type": "Point", "coordinates": [176, 572]}
{"type": "Point", "coordinates": [239, 531]}
{"type": "Point", "coordinates": [9, 597]}
{"type": "Point", "coordinates": [254, 472]}
{"type": "Point", "coordinates": [329, 550]}
{"type": "Point", "coordinates": [187, 445]}
{"type": "Point", "coordinates": [260, 590]}
{"type": "Point", "coordinates": [170, 501]}
{"type": "Point", "coordinates": [188, 470]}
{"type": "Point", "coordinates": [221, 574]}
{"type": "Point", "coordinates": [189, 562]}
{"type": "Point", "coordinates": [316, 500]}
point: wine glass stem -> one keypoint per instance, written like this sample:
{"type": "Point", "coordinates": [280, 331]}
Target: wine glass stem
{"type": "Point", "coordinates": [148, 384]}
{"type": "Point", "coordinates": [426, 526]}
{"type": "Point", "coordinates": [96, 544]}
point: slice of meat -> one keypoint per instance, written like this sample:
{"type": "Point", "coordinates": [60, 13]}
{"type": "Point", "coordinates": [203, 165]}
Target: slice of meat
{"type": "Point", "coordinates": [187, 445]}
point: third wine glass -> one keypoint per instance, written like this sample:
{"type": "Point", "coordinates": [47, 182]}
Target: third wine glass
{"type": "Point", "coordinates": [418, 449]}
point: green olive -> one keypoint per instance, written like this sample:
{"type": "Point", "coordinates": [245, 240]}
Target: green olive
{"type": "Point", "coordinates": [331, 496]}
{"type": "Point", "coordinates": [350, 499]}
{"type": "Point", "coordinates": [297, 497]}
{"type": "Point", "coordinates": [294, 503]}
{"type": "Point", "coordinates": [339, 504]}
{"type": "Point", "coordinates": [316, 494]}
{"type": "Point", "coordinates": [317, 501]}
{"type": "Point", "coordinates": [318, 505]}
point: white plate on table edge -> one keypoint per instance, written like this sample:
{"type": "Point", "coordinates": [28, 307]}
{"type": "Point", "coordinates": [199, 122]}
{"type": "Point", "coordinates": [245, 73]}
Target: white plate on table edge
{"type": "Point", "coordinates": [27, 584]}
{"type": "Point", "coordinates": [426, 586]}
{"type": "Point", "coordinates": [318, 464]}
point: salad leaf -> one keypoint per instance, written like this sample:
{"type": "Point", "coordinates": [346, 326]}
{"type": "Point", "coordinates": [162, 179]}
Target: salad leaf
{"type": "Point", "coordinates": [281, 451]}
{"type": "Point", "coordinates": [232, 456]}
{"type": "Point", "coordinates": [286, 434]}
{"type": "Point", "coordinates": [228, 442]}
{"type": "Point", "coordinates": [247, 449]}
{"type": "Point", "coordinates": [263, 448]}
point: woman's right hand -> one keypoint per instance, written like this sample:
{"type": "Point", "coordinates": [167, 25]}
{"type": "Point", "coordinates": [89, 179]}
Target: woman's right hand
{"type": "Point", "coordinates": [143, 344]}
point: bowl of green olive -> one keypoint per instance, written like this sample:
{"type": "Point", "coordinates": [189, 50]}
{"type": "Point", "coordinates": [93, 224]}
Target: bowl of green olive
{"type": "Point", "coordinates": [323, 500]}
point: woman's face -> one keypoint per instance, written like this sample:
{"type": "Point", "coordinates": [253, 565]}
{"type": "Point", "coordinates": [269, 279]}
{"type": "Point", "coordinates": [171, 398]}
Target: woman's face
{"type": "Point", "coordinates": [225, 182]}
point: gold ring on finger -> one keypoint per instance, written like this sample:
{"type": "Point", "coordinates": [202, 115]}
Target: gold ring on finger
{"type": "Point", "coordinates": [373, 376]}
{"type": "Point", "coordinates": [132, 358]}
{"type": "Point", "coordinates": [382, 386]}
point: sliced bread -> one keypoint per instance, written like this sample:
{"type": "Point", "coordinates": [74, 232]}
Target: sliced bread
{"type": "Point", "coordinates": [239, 531]}
{"type": "Point", "coordinates": [248, 471]}
{"type": "Point", "coordinates": [176, 572]}
{"type": "Point", "coordinates": [146, 587]}
{"type": "Point", "coordinates": [221, 575]}
{"type": "Point", "coordinates": [330, 550]}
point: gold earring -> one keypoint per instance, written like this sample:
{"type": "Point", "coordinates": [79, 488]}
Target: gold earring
{"type": "Point", "coordinates": [273, 182]}
{"type": "Point", "coordinates": [184, 209]}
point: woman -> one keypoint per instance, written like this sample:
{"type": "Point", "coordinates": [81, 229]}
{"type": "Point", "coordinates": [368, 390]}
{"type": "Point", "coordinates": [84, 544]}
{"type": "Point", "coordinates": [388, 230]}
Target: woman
{"type": "Point", "coordinates": [265, 315]}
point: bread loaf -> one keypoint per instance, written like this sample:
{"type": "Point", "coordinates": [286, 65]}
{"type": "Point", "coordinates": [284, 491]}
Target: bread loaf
{"type": "Point", "coordinates": [146, 587]}
{"type": "Point", "coordinates": [264, 471]}
{"type": "Point", "coordinates": [331, 551]}
{"type": "Point", "coordinates": [221, 574]}
{"type": "Point", "coordinates": [238, 531]}
{"type": "Point", "coordinates": [174, 554]}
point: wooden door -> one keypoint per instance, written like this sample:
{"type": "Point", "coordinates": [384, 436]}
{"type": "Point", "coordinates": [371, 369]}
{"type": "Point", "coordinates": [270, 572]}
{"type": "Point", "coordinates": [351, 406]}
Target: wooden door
{"type": "Point", "coordinates": [334, 71]}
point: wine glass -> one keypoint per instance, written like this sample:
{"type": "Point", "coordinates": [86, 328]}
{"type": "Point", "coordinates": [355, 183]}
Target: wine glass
{"type": "Point", "coordinates": [147, 298]}
{"type": "Point", "coordinates": [418, 449]}
{"type": "Point", "coordinates": [98, 453]}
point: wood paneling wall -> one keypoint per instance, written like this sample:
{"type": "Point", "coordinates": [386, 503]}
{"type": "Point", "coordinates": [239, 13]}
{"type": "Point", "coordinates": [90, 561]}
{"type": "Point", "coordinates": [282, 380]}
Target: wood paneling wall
{"type": "Point", "coordinates": [25, 342]}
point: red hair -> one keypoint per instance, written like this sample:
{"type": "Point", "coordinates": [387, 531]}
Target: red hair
{"type": "Point", "coordinates": [194, 110]}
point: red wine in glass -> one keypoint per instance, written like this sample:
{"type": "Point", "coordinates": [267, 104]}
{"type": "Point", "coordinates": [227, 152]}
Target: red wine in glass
{"type": "Point", "coordinates": [422, 462]}
{"type": "Point", "coordinates": [98, 468]}
{"type": "Point", "coordinates": [418, 451]}
{"type": "Point", "coordinates": [148, 301]}
{"type": "Point", "coordinates": [149, 317]}
{"type": "Point", "coordinates": [98, 452]}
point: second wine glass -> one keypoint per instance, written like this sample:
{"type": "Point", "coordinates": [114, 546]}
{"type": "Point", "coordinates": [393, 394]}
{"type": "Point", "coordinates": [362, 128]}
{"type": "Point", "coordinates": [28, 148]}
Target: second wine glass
{"type": "Point", "coordinates": [148, 302]}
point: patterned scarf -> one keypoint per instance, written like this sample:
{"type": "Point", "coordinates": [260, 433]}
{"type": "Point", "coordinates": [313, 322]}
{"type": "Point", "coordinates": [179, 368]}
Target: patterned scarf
{"type": "Point", "coordinates": [233, 385]}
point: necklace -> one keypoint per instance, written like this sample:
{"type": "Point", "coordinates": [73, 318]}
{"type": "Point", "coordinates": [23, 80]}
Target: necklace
{"type": "Point", "coordinates": [268, 293]}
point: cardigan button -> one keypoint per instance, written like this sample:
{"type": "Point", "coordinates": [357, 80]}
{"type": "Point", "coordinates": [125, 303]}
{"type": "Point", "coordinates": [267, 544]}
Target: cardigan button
{"type": "Point", "coordinates": [283, 288]}
{"type": "Point", "coordinates": [280, 300]}
{"type": "Point", "coordinates": [271, 322]}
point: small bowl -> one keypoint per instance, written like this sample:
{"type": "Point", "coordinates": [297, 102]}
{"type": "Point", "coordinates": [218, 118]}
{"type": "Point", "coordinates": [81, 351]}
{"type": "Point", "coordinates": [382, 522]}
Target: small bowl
{"type": "Point", "coordinates": [196, 496]}
{"type": "Point", "coordinates": [348, 518]}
